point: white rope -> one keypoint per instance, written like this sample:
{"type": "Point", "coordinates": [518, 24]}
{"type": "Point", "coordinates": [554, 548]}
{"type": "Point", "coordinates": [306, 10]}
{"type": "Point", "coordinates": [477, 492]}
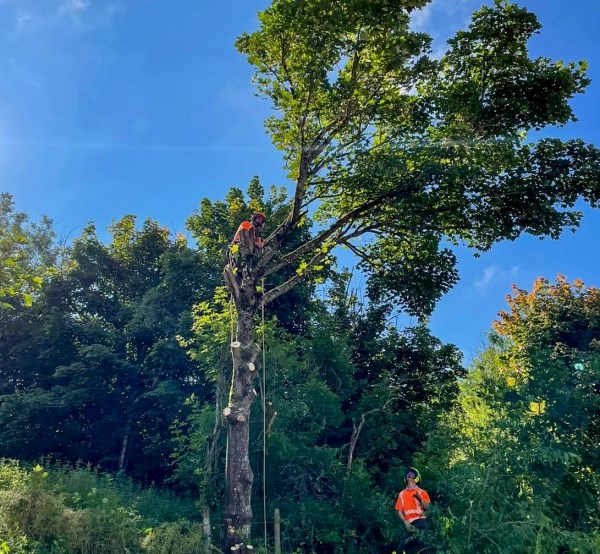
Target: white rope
{"type": "Point", "coordinates": [264, 411]}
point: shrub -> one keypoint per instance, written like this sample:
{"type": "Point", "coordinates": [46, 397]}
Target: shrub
{"type": "Point", "coordinates": [68, 510]}
{"type": "Point", "coordinates": [180, 537]}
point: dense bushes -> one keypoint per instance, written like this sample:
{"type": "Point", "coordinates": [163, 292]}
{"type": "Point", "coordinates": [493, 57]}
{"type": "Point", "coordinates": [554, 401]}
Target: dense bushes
{"type": "Point", "coordinates": [63, 510]}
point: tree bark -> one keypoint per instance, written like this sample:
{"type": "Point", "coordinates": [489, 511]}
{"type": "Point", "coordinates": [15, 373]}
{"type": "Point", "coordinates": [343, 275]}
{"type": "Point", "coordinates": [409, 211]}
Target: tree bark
{"type": "Point", "coordinates": [237, 510]}
{"type": "Point", "coordinates": [206, 526]}
{"type": "Point", "coordinates": [124, 446]}
{"type": "Point", "coordinates": [355, 434]}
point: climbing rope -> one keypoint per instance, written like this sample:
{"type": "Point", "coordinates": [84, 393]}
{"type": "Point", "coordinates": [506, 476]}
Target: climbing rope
{"type": "Point", "coordinates": [264, 411]}
{"type": "Point", "coordinates": [231, 321]}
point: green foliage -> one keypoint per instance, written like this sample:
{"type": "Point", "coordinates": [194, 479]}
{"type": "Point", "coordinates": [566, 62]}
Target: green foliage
{"type": "Point", "coordinates": [65, 510]}
{"type": "Point", "coordinates": [488, 85]}
{"type": "Point", "coordinates": [198, 436]}
{"type": "Point", "coordinates": [169, 538]}
{"type": "Point", "coordinates": [516, 466]}
{"type": "Point", "coordinates": [26, 252]}
{"type": "Point", "coordinates": [93, 370]}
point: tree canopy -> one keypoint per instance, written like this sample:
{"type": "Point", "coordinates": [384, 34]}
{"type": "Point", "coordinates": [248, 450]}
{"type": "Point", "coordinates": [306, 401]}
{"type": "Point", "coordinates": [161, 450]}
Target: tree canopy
{"type": "Point", "coordinates": [394, 153]}
{"type": "Point", "coordinates": [26, 251]}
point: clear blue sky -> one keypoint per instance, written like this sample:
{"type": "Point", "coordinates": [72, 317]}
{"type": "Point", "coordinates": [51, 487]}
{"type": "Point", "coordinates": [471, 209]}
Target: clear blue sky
{"type": "Point", "coordinates": [111, 107]}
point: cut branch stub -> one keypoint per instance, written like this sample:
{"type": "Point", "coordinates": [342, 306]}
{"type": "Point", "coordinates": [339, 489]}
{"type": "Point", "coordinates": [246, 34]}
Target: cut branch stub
{"type": "Point", "coordinates": [245, 356]}
{"type": "Point", "coordinates": [233, 416]}
{"type": "Point", "coordinates": [236, 351]}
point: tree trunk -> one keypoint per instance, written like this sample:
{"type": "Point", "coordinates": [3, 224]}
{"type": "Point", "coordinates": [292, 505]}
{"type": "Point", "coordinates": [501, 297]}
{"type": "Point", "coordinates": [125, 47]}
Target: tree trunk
{"type": "Point", "coordinates": [206, 526]}
{"type": "Point", "coordinates": [124, 446]}
{"type": "Point", "coordinates": [210, 462]}
{"type": "Point", "coordinates": [237, 510]}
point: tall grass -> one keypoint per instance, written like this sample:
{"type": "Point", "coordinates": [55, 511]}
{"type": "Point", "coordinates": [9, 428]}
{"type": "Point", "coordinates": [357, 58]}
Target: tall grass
{"type": "Point", "coordinates": [59, 509]}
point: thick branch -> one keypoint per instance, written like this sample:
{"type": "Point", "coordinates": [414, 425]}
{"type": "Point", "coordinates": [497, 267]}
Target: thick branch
{"type": "Point", "coordinates": [322, 139]}
{"type": "Point", "coordinates": [292, 282]}
{"type": "Point", "coordinates": [322, 237]}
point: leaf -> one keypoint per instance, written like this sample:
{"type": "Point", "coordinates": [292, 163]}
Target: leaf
{"type": "Point", "coordinates": [301, 269]}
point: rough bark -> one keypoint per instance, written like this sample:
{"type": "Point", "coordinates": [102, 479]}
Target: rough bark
{"type": "Point", "coordinates": [237, 511]}
{"type": "Point", "coordinates": [206, 526]}
{"type": "Point", "coordinates": [124, 446]}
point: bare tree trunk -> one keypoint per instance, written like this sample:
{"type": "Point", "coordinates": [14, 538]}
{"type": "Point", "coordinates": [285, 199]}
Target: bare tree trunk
{"type": "Point", "coordinates": [124, 446]}
{"type": "Point", "coordinates": [237, 510]}
{"type": "Point", "coordinates": [206, 526]}
{"type": "Point", "coordinates": [277, 531]}
{"type": "Point", "coordinates": [355, 434]}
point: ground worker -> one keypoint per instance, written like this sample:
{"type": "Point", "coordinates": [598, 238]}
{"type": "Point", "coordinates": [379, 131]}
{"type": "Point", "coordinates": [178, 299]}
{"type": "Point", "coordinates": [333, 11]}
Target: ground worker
{"type": "Point", "coordinates": [411, 506]}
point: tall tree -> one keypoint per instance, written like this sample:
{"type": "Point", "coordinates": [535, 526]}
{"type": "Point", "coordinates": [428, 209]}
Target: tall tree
{"type": "Point", "coordinates": [393, 154]}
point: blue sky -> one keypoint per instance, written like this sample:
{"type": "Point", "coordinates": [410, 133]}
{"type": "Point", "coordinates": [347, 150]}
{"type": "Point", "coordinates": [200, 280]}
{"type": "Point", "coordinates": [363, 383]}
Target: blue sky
{"type": "Point", "coordinates": [111, 107]}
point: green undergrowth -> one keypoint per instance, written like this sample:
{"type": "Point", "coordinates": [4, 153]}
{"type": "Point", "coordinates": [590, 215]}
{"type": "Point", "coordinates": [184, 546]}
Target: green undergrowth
{"type": "Point", "coordinates": [60, 509]}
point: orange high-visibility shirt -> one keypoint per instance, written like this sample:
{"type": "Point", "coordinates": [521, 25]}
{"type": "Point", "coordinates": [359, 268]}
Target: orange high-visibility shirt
{"type": "Point", "coordinates": [247, 226]}
{"type": "Point", "coordinates": [409, 506]}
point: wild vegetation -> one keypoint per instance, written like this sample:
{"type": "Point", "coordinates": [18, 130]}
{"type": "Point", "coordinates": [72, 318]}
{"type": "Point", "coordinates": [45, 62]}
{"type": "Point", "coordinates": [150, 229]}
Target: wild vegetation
{"type": "Point", "coordinates": [125, 425]}
{"type": "Point", "coordinates": [132, 380]}
{"type": "Point", "coordinates": [61, 509]}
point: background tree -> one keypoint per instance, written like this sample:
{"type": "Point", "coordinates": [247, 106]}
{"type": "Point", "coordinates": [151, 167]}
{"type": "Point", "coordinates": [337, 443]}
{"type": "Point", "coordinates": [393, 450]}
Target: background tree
{"type": "Point", "coordinates": [26, 252]}
{"type": "Point", "coordinates": [516, 466]}
{"type": "Point", "coordinates": [93, 371]}
{"type": "Point", "coordinates": [394, 155]}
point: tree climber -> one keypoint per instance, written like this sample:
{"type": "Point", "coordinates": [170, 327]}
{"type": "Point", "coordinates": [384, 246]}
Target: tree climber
{"type": "Point", "coordinates": [253, 228]}
{"type": "Point", "coordinates": [411, 505]}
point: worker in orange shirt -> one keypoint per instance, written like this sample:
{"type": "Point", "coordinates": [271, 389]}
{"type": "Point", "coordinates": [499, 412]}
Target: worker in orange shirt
{"type": "Point", "coordinates": [411, 505]}
{"type": "Point", "coordinates": [255, 228]}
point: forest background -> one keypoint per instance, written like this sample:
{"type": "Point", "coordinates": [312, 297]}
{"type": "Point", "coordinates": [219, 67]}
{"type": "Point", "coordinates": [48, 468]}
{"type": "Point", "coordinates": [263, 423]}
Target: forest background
{"type": "Point", "coordinates": [114, 352]}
